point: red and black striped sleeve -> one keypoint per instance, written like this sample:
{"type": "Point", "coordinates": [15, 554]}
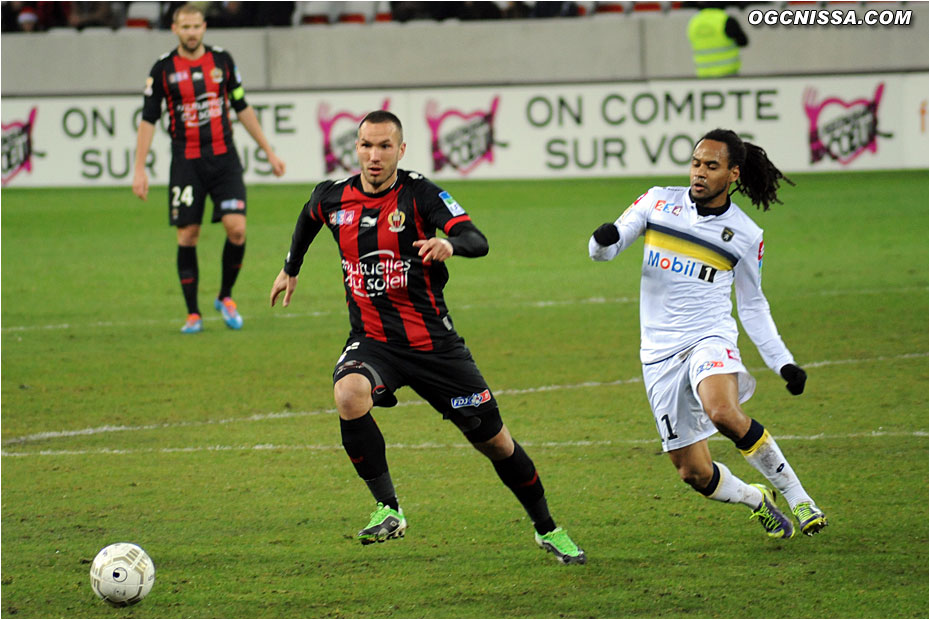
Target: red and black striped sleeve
{"type": "Point", "coordinates": [154, 93]}
{"type": "Point", "coordinates": [440, 209]}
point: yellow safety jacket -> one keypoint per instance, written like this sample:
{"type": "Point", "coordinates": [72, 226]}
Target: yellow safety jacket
{"type": "Point", "coordinates": [715, 54]}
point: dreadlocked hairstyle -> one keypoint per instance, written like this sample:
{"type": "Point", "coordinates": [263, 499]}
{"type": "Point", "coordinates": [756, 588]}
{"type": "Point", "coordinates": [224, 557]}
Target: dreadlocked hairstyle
{"type": "Point", "coordinates": [759, 178]}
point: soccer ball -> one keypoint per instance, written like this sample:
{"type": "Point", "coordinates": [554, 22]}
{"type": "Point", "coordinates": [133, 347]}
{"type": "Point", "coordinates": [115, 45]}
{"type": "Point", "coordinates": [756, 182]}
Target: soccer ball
{"type": "Point", "coordinates": [122, 574]}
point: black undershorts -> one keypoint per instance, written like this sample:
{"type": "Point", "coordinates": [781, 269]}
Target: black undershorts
{"type": "Point", "coordinates": [192, 180]}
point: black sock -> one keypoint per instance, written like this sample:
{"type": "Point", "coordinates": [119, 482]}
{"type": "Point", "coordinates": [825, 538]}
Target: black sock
{"type": "Point", "coordinates": [713, 484]}
{"type": "Point", "coordinates": [364, 443]}
{"type": "Point", "coordinates": [753, 435]}
{"type": "Point", "coordinates": [188, 274]}
{"type": "Point", "coordinates": [519, 474]}
{"type": "Point", "coordinates": [232, 263]}
{"type": "Point", "coordinates": [382, 489]}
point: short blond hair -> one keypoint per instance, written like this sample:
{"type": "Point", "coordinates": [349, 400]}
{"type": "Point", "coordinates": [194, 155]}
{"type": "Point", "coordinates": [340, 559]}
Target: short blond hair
{"type": "Point", "coordinates": [189, 8]}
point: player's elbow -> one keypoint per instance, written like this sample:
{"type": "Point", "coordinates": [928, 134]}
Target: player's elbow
{"type": "Point", "coordinates": [481, 245]}
{"type": "Point", "coordinates": [469, 242]}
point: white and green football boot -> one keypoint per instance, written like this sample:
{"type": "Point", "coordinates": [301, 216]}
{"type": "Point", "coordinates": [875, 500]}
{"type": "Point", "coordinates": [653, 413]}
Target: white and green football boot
{"type": "Point", "coordinates": [561, 546]}
{"type": "Point", "coordinates": [385, 523]}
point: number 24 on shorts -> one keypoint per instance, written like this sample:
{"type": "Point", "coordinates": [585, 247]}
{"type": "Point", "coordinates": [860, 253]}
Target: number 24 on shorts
{"type": "Point", "coordinates": [181, 196]}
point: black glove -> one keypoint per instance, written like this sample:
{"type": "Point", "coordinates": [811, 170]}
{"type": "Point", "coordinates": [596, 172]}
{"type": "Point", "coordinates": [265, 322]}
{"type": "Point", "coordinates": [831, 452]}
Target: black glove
{"type": "Point", "coordinates": [795, 376]}
{"type": "Point", "coordinates": [607, 234]}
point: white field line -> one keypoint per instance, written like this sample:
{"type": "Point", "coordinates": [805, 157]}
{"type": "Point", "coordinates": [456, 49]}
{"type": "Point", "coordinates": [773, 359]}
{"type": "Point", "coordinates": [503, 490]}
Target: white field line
{"type": "Point", "coordinates": [519, 304]}
{"type": "Point", "coordinates": [258, 417]}
{"type": "Point", "coordinates": [435, 445]}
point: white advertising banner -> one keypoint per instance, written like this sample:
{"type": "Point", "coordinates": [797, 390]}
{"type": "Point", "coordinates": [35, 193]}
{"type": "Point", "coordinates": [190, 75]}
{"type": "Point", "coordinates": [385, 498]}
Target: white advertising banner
{"type": "Point", "coordinates": [861, 122]}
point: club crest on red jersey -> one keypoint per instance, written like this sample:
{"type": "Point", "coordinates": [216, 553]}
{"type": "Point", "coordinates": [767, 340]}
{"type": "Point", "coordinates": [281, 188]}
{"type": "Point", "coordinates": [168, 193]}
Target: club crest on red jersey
{"type": "Point", "coordinates": [397, 219]}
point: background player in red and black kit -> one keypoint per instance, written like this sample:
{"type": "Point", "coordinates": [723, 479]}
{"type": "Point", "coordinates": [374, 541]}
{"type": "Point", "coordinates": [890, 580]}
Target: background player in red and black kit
{"type": "Point", "coordinates": [198, 84]}
{"type": "Point", "coordinates": [384, 221]}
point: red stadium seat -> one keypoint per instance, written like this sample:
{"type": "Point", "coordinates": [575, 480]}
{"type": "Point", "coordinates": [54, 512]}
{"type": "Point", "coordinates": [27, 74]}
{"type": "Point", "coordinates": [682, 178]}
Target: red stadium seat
{"type": "Point", "coordinates": [143, 15]}
{"type": "Point", "coordinates": [356, 12]}
{"type": "Point", "coordinates": [608, 8]}
{"type": "Point", "coordinates": [313, 13]}
{"type": "Point", "coordinates": [383, 12]}
{"type": "Point", "coordinates": [647, 6]}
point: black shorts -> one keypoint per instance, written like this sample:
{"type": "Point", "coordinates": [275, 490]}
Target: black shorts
{"type": "Point", "coordinates": [449, 379]}
{"type": "Point", "coordinates": [192, 180]}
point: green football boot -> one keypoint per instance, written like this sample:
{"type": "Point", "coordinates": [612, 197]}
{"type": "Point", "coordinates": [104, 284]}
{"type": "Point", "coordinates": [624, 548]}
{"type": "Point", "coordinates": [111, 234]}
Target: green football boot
{"type": "Point", "coordinates": [385, 523]}
{"type": "Point", "coordinates": [561, 546]}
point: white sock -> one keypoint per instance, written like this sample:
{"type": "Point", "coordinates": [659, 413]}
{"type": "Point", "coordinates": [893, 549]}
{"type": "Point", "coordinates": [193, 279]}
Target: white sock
{"type": "Point", "coordinates": [766, 456]}
{"type": "Point", "coordinates": [732, 490]}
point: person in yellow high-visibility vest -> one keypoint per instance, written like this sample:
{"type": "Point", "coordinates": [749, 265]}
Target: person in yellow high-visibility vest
{"type": "Point", "coordinates": [715, 41]}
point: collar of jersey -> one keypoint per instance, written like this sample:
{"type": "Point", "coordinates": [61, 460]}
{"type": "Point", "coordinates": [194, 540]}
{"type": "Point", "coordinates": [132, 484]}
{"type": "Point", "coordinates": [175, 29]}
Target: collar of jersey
{"type": "Point", "coordinates": [706, 212]}
{"type": "Point", "coordinates": [196, 61]}
{"type": "Point", "coordinates": [384, 192]}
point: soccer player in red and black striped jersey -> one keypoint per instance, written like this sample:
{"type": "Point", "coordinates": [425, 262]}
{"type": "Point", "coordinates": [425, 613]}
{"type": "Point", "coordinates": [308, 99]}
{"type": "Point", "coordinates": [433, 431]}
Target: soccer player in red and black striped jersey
{"type": "Point", "coordinates": [198, 84]}
{"type": "Point", "coordinates": [384, 221]}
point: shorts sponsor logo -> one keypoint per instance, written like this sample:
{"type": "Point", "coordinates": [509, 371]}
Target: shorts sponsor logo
{"type": "Point", "coordinates": [708, 366]}
{"type": "Point", "coordinates": [233, 204]}
{"type": "Point", "coordinates": [687, 267]}
{"type": "Point", "coordinates": [475, 400]}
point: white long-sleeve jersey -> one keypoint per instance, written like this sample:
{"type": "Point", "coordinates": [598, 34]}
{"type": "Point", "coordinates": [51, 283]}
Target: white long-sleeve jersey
{"type": "Point", "coordinates": [690, 263]}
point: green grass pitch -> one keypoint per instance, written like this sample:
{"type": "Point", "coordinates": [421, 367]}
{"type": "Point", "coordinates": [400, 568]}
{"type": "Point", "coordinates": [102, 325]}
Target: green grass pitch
{"type": "Point", "coordinates": [220, 453]}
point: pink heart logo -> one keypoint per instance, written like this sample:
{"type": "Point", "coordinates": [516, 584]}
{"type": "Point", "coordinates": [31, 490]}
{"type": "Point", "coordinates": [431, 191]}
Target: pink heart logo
{"type": "Point", "coordinates": [842, 130]}
{"type": "Point", "coordinates": [461, 140]}
{"type": "Point", "coordinates": [17, 147]}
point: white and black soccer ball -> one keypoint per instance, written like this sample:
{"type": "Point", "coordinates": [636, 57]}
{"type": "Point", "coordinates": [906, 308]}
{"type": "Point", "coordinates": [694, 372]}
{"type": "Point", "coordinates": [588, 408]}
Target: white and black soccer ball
{"type": "Point", "coordinates": [122, 574]}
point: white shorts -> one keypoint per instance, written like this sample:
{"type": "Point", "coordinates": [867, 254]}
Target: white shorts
{"type": "Point", "coordinates": [672, 389]}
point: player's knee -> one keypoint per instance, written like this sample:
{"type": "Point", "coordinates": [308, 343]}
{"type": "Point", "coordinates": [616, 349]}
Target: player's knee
{"type": "Point", "coordinates": [695, 477]}
{"type": "Point", "coordinates": [486, 431]}
{"type": "Point", "coordinates": [188, 235]}
{"type": "Point", "coordinates": [498, 447]}
{"type": "Point", "coordinates": [723, 414]}
{"type": "Point", "coordinates": [235, 228]}
{"type": "Point", "coordinates": [236, 235]}
{"type": "Point", "coordinates": [352, 394]}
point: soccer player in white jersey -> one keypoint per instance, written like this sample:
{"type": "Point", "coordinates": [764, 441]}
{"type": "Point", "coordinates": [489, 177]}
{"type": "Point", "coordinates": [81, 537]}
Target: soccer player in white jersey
{"type": "Point", "coordinates": [698, 244]}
